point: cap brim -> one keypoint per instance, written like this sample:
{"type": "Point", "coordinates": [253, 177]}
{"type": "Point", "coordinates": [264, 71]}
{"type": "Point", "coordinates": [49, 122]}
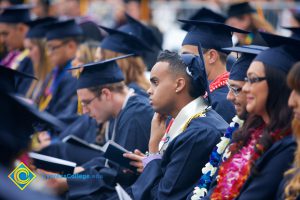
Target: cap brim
{"type": "Point", "coordinates": [249, 49]}
{"type": "Point", "coordinates": [213, 24]}
{"type": "Point", "coordinates": [114, 31]}
{"type": "Point", "coordinates": [277, 40]}
{"type": "Point", "coordinates": [102, 62]}
{"type": "Point", "coordinates": [41, 117]}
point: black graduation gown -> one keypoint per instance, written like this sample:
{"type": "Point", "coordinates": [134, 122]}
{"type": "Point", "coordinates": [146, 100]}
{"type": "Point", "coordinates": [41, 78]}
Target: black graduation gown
{"type": "Point", "coordinates": [175, 175]}
{"type": "Point", "coordinates": [138, 89]}
{"type": "Point", "coordinates": [9, 191]}
{"type": "Point", "coordinates": [281, 188]}
{"type": "Point", "coordinates": [270, 167]}
{"type": "Point", "coordinates": [63, 96]}
{"type": "Point", "coordinates": [221, 105]}
{"type": "Point", "coordinates": [23, 84]}
{"type": "Point", "coordinates": [132, 132]}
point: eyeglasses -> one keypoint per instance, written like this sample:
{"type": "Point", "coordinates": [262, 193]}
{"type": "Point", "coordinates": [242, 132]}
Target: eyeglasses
{"type": "Point", "coordinates": [254, 79]}
{"type": "Point", "coordinates": [235, 90]}
{"type": "Point", "coordinates": [87, 102]}
{"type": "Point", "coordinates": [53, 48]}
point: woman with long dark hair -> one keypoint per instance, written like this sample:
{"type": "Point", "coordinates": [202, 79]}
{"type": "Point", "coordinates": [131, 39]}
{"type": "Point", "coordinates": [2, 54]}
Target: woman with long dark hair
{"type": "Point", "coordinates": [263, 149]}
{"type": "Point", "coordinates": [291, 187]}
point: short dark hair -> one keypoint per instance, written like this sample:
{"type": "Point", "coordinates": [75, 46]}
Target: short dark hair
{"type": "Point", "coordinates": [222, 56]}
{"type": "Point", "coordinates": [177, 66]}
{"type": "Point", "coordinates": [116, 87]}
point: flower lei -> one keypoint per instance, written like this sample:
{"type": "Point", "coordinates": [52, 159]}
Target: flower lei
{"type": "Point", "coordinates": [214, 160]}
{"type": "Point", "coordinates": [234, 172]}
{"type": "Point", "coordinates": [220, 81]}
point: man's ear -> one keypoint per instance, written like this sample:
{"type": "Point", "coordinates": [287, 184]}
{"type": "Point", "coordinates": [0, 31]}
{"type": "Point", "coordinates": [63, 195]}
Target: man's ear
{"type": "Point", "coordinates": [22, 28]}
{"type": "Point", "coordinates": [212, 56]}
{"type": "Point", "coordinates": [106, 94]}
{"type": "Point", "coordinates": [180, 84]}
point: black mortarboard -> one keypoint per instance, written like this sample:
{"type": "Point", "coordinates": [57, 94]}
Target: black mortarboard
{"type": "Point", "coordinates": [18, 119]}
{"type": "Point", "coordinates": [280, 57]}
{"type": "Point", "coordinates": [277, 40]}
{"type": "Point", "coordinates": [38, 27]}
{"type": "Point", "coordinates": [283, 53]}
{"type": "Point", "coordinates": [239, 69]}
{"type": "Point", "coordinates": [100, 73]}
{"type": "Point", "coordinates": [91, 31]}
{"type": "Point", "coordinates": [122, 42]}
{"type": "Point", "coordinates": [204, 14]}
{"type": "Point", "coordinates": [8, 78]}
{"type": "Point", "coordinates": [15, 14]}
{"type": "Point", "coordinates": [238, 9]}
{"type": "Point", "coordinates": [136, 28]}
{"type": "Point", "coordinates": [63, 29]}
{"type": "Point", "coordinates": [211, 35]}
{"type": "Point", "coordinates": [195, 68]}
{"type": "Point", "coordinates": [295, 32]}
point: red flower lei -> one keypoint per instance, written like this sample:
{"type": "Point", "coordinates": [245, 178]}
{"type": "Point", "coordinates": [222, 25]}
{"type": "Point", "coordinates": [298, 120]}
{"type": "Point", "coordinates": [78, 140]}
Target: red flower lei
{"type": "Point", "coordinates": [234, 172]}
{"type": "Point", "coordinates": [220, 81]}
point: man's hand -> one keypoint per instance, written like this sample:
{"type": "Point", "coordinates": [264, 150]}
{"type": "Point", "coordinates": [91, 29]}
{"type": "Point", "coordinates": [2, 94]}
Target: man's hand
{"type": "Point", "coordinates": [158, 129]}
{"type": "Point", "coordinates": [137, 159]}
{"type": "Point", "coordinates": [44, 140]}
{"type": "Point", "coordinates": [78, 170]}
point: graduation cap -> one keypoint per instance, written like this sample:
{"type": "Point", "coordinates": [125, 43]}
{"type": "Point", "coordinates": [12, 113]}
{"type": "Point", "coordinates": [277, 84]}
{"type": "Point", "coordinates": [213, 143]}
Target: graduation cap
{"type": "Point", "coordinates": [122, 42]}
{"type": "Point", "coordinates": [211, 35]}
{"type": "Point", "coordinates": [277, 40]}
{"type": "Point", "coordinates": [238, 9]}
{"type": "Point", "coordinates": [136, 28]}
{"type": "Point", "coordinates": [15, 14]}
{"type": "Point", "coordinates": [100, 73]}
{"type": "Point", "coordinates": [8, 78]}
{"type": "Point", "coordinates": [204, 14]}
{"type": "Point", "coordinates": [239, 69]}
{"type": "Point", "coordinates": [63, 29]}
{"type": "Point", "coordinates": [18, 119]}
{"type": "Point", "coordinates": [282, 54]}
{"type": "Point", "coordinates": [295, 32]}
{"type": "Point", "coordinates": [195, 68]}
{"type": "Point", "coordinates": [37, 28]}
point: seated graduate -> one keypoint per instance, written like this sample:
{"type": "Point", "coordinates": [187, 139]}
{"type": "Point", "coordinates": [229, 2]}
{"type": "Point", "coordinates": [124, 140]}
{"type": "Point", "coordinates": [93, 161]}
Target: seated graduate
{"type": "Point", "coordinates": [263, 149]}
{"type": "Point", "coordinates": [13, 28]}
{"type": "Point", "coordinates": [104, 96]}
{"type": "Point", "coordinates": [15, 140]}
{"type": "Point", "coordinates": [58, 94]}
{"type": "Point", "coordinates": [213, 36]}
{"type": "Point", "coordinates": [289, 188]}
{"type": "Point", "coordinates": [176, 154]}
{"type": "Point", "coordinates": [235, 83]}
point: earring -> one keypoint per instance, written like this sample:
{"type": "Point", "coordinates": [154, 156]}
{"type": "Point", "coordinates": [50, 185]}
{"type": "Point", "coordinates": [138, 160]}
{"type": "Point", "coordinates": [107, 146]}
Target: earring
{"type": "Point", "coordinates": [176, 90]}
